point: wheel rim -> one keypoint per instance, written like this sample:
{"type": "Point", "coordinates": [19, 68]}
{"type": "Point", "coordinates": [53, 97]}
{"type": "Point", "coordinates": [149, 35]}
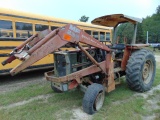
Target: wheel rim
{"type": "Point", "coordinates": [147, 71]}
{"type": "Point", "coordinates": [99, 101]}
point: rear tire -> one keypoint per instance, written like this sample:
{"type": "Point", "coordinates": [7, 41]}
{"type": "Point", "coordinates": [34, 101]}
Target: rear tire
{"type": "Point", "coordinates": [158, 47]}
{"type": "Point", "coordinates": [140, 71]}
{"type": "Point", "coordinates": [93, 98]}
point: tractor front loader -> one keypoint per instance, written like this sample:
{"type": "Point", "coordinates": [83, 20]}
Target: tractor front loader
{"type": "Point", "coordinates": [91, 65]}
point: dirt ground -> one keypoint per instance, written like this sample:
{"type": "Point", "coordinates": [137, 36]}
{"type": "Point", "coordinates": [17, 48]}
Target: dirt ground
{"type": "Point", "coordinates": [10, 83]}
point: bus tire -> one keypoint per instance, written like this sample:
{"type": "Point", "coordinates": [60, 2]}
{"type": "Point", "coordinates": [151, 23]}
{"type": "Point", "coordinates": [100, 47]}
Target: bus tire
{"type": "Point", "coordinates": [140, 71]}
{"type": "Point", "coordinates": [93, 98]}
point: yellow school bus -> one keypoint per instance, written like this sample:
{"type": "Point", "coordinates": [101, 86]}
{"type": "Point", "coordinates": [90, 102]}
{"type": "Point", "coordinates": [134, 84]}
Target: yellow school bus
{"type": "Point", "coordinates": [16, 27]}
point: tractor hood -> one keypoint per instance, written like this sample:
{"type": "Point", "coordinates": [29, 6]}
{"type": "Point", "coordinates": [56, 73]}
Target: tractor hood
{"type": "Point", "coordinates": [114, 20]}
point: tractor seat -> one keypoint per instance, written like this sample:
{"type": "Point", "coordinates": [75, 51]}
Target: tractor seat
{"type": "Point", "coordinates": [118, 46]}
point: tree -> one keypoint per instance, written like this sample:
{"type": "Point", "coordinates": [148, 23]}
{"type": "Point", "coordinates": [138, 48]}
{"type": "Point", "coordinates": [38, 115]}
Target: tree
{"type": "Point", "coordinates": [158, 10]}
{"type": "Point", "coordinates": [84, 18]}
{"type": "Point", "coordinates": [125, 31]}
{"type": "Point", "coordinates": [140, 37]}
{"type": "Point", "coordinates": [152, 25]}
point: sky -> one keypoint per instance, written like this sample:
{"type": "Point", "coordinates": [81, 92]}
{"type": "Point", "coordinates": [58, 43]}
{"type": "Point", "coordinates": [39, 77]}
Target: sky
{"type": "Point", "coordinates": [74, 9]}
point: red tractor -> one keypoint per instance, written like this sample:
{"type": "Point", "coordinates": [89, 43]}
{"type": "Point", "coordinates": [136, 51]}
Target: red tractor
{"type": "Point", "coordinates": [93, 66]}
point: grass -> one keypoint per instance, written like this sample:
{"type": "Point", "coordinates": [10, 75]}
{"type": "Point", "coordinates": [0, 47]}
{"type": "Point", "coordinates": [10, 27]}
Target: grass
{"type": "Point", "coordinates": [119, 104]}
{"type": "Point", "coordinates": [156, 52]}
{"type": "Point", "coordinates": [56, 107]}
{"type": "Point", "coordinates": [128, 110]}
{"type": "Point", "coordinates": [25, 93]}
{"type": "Point", "coordinates": [158, 103]}
{"type": "Point", "coordinates": [155, 96]}
{"type": "Point", "coordinates": [157, 114]}
{"type": "Point", "coordinates": [157, 80]}
{"type": "Point", "coordinates": [60, 106]}
{"type": "Point", "coordinates": [157, 92]}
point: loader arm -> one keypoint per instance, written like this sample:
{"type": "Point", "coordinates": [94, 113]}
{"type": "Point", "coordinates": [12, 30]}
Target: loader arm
{"type": "Point", "coordinates": [37, 47]}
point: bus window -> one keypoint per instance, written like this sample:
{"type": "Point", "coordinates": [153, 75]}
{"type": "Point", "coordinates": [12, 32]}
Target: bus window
{"type": "Point", "coordinates": [88, 32]}
{"type": "Point", "coordinates": [23, 30]}
{"type": "Point", "coordinates": [11, 34]}
{"type": "Point", "coordinates": [95, 35]}
{"type": "Point", "coordinates": [5, 28]}
{"type": "Point", "coordinates": [17, 34]}
{"type": "Point", "coordinates": [4, 34]}
{"type": "Point", "coordinates": [39, 27]}
{"type": "Point", "coordinates": [108, 36]}
{"type": "Point", "coordinates": [102, 36]}
{"type": "Point", "coordinates": [53, 27]}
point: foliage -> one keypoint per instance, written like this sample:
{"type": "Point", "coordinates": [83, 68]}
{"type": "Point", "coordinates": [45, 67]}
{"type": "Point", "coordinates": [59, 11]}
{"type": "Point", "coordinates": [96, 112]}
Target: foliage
{"type": "Point", "coordinates": [140, 34]}
{"type": "Point", "coordinates": [150, 24]}
{"type": "Point", "coordinates": [84, 18]}
{"type": "Point", "coordinates": [125, 31]}
{"type": "Point", "coordinates": [158, 10]}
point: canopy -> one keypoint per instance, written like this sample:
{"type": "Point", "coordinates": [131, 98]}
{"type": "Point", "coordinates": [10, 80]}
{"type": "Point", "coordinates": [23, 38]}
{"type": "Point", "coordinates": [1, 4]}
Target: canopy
{"type": "Point", "coordinates": [114, 20]}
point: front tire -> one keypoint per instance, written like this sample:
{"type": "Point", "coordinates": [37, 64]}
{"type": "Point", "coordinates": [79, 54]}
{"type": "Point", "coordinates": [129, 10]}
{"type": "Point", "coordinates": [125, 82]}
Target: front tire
{"type": "Point", "coordinates": [93, 98]}
{"type": "Point", "coordinates": [140, 71]}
